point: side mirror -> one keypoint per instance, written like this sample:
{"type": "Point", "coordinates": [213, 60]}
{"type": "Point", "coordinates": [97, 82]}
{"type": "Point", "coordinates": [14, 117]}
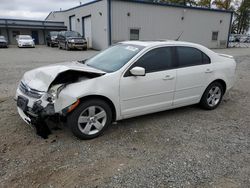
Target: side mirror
{"type": "Point", "coordinates": [138, 71]}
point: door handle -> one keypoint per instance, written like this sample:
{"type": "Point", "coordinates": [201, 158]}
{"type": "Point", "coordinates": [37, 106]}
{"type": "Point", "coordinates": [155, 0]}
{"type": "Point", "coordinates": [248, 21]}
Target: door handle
{"type": "Point", "coordinates": [168, 77]}
{"type": "Point", "coordinates": [208, 71]}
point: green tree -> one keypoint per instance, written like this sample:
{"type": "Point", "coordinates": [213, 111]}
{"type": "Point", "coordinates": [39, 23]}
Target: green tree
{"type": "Point", "coordinates": [241, 22]}
{"type": "Point", "coordinates": [204, 3]}
{"type": "Point", "coordinates": [224, 4]}
{"type": "Point", "coordinates": [180, 2]}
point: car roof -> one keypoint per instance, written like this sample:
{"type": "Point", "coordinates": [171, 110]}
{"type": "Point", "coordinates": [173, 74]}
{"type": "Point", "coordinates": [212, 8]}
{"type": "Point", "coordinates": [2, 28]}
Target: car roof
{"type": "Point", "coordinates": [160, 42]}
{"type": "Point", "coordinates": [24, 35]}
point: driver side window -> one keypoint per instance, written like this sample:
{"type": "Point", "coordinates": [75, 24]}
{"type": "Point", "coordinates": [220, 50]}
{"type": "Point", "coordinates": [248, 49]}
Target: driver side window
{"type": "Point", "coordinates": [156, 60]}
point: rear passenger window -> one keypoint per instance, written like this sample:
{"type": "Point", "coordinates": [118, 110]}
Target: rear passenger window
{"type": "Point", "coordinates": [206, 59]}
{"type": "Point", "coordinates": [189, 56]}
{"type": "Point", "coordinates": [156, 60]}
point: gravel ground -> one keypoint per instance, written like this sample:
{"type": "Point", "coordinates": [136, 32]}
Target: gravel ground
{"type": "Point", "coordinates": [186, 147]}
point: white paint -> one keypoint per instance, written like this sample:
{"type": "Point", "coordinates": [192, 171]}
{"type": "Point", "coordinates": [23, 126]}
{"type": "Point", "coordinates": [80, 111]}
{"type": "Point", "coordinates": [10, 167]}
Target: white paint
{"type": "Point", "coordinates": [138, 95]}
{"type": "Point", "coordinates": [88, 31]}
{"type": "Point", "coordinates": [73, 23]}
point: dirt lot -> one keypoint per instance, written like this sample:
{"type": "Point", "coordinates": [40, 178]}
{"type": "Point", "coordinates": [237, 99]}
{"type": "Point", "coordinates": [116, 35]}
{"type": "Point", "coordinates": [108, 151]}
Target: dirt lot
{"type": "Point", "coordinates": [187, 147]}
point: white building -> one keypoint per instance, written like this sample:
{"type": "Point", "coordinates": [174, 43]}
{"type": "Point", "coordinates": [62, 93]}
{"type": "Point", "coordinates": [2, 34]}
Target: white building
{"type": "Point", "coordinates": [104, 22]}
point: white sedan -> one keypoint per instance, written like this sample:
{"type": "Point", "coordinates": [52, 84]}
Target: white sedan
{"type": "Point", "coordinates": [129, 79]}
{"type": "Point", "coordinates": [25, 41]}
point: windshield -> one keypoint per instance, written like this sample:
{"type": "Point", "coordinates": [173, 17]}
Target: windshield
{"type": "Point", "coordinates": [114, 58]}
{"type": "Point", "coordinates": [53, 33]}
{"type": "Point", "coordinates": [72, 34]}
{"type": "Point", "coordinates": [24, 37]}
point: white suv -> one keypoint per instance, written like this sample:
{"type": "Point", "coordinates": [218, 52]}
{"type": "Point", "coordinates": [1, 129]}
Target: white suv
{"type": "Point", "coordinates": [129, 79]}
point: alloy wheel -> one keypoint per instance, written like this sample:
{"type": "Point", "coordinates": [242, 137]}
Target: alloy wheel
{"type": "Point", "coordinates": [92, 120]}
{"type": "Point", "coordinates": [214, 96]}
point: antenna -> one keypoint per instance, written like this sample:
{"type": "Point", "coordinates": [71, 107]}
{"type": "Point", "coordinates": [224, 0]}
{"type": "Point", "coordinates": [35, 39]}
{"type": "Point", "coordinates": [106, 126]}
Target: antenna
{"type": "Point", "coordinates": [179, 36]}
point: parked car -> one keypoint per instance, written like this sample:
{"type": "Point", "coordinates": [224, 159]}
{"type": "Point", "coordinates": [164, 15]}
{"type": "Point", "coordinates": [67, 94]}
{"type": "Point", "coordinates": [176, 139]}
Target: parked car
{"type": "Point", "coordinates": [71, 40]}
{"type": "Point", "coordinates": [248, 39]}
{"type": "Point", "coordinates": [3, 42]}
{"type": "Point", "coordinates": [243, 38]}
{"type": "Point", "coordinates": [51, 39]}
{"type": "Point", "coordinates": [126, 80]}
{"type": "Point", "coordinates": [25, 41]}
{"type": "Point", "coordinates": [232, 38]}
{"type": "Point", "coordinates": [237, 38]}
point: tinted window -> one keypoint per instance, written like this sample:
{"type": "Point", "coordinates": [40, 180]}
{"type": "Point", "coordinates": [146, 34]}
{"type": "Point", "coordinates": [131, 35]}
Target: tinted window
{"type": "Point", "coordinates": [206, 59]}
{"type": "Point", "coordinates": [189, 56]}
{"type": "Point", "coordinates": [53, 33]}
{"type": "Point", "coordinates": [72, 34]}
{"type": "Point", "coordinates": [156, 60]}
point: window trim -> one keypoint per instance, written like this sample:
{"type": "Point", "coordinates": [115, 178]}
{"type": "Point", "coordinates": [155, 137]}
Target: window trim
{"type": "Point", "coordinates": [70, 24]}
{"type": "Point", "coordinates": [174, 65]}
{"type": "Point", "coordinates": [178, 61]}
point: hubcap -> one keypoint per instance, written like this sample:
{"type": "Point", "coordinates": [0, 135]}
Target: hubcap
{"type": "Point", "coordinates": [214, 96]}
{"type": "Point", "coordinates": [92, 120]}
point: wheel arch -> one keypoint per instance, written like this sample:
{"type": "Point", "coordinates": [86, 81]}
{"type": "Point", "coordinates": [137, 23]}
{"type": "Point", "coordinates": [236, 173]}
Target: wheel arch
{"type": "Point", "coordinates": [106, 99]}
{"type": "Point", "coordinates": [222, 82]}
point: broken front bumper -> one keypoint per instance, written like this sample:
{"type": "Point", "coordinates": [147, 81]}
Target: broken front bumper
{"type": "Point", "coordinates": [32, 109]}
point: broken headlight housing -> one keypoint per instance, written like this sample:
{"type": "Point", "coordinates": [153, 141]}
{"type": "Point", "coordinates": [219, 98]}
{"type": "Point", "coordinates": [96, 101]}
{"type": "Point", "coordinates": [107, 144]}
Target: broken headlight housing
{"type": "Point", "coordinates": [71, 40]}
{"type": "Point", "coordinates": [54, 91]}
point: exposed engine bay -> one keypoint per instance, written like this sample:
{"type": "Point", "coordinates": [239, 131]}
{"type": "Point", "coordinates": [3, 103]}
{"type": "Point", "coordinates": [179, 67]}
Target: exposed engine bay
{"type": "Point", "coordinates": [43, 102]}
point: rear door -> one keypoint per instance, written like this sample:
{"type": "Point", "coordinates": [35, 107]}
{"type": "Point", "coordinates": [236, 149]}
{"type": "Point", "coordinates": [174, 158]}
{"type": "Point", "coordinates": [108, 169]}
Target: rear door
{"type": "Point", "coordinates": [193, 73]}
{"type": "Point", "coordinates": [152, 92]}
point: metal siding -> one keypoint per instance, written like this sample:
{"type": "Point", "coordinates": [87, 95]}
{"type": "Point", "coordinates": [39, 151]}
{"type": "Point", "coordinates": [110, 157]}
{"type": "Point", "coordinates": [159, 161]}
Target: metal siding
{"type": "Point", "coordinates": [99, 22]}
{"type": "Point", "coordinates": [161, 22]}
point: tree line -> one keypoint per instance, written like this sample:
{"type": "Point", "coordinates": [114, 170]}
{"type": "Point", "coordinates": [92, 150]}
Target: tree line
{"type": "Point", "coordinates": [240, 8]}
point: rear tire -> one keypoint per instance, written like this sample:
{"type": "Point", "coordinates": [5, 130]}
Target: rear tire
{"type": "Point", "coordinates": [212, 96]}
{"type": "Point", "coordinates": [90, 119]}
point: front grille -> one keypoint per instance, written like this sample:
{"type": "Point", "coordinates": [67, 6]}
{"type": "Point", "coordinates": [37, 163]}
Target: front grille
{"type": "Point", "coordinates": [78, 40]}
{"type": "Point", "coordinates": [78, 43]}
{"type": "Point", "coordinates": [30, 92]}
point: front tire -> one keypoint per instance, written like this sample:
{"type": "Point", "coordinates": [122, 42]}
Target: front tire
{"type": "Point", "coordinates": [90, 119]}
{"type": "Point", "coordinates": [212, 96]}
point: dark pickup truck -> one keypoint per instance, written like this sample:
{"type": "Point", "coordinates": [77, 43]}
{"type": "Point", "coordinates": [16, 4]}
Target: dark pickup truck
{"type": "Point", "coordinates": [71, 40]}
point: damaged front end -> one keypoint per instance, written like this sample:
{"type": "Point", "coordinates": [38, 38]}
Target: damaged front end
{"type": "Point", "coordinates": [36, 106]}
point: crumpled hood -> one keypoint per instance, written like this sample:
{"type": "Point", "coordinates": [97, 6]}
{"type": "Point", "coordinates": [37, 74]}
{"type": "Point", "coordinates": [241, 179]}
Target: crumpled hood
{"type": "Point", "coordinates": [41, 78]}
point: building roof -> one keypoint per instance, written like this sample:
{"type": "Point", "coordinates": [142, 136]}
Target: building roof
{"type": "Point", "coordinates": [149, 3]}
{"type": "Point", "coordinates": [39, 24]}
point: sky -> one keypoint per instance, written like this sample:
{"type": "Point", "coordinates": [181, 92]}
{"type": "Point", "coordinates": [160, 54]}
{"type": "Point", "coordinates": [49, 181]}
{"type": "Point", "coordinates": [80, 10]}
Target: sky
{"type": "Point", "coordinates": [34, 9]}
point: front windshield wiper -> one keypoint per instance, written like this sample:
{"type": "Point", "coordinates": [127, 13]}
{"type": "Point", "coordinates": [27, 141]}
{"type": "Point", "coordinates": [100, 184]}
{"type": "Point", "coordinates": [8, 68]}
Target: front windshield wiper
{"type": "Point", "coordinates": [84, 62]}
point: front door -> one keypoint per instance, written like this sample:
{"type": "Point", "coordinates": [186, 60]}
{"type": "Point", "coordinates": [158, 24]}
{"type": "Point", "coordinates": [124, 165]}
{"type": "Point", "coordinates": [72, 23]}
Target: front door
{"type": "Point", "coordinates": [152, 92]}
{"type": "Point", "coordinates": [34, 35]}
